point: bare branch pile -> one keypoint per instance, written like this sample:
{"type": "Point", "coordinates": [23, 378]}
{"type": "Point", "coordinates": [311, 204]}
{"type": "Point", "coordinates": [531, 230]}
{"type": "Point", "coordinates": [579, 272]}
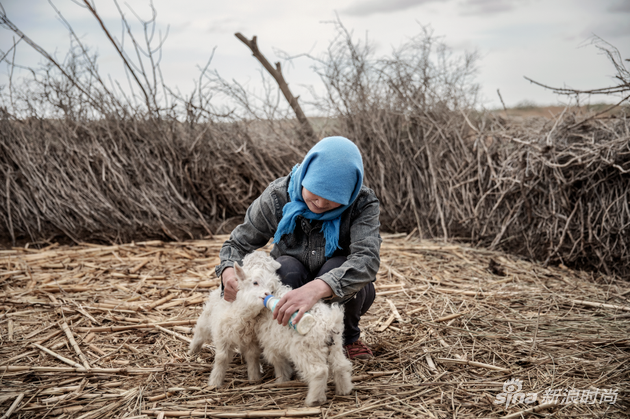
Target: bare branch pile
{"type": "Point", "coordinates": [555, 191]}
{"type": "Point", "coordinates": [120, 180]}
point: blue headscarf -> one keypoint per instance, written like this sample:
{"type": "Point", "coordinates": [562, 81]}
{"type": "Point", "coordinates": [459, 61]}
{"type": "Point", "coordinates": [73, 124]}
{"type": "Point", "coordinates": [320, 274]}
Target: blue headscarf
{"type": "Point", "coordinates": [333, 170]}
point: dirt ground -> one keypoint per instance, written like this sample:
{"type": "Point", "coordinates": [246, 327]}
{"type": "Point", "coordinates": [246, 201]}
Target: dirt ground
{"type": "Point", "coordinates": [102, 331]}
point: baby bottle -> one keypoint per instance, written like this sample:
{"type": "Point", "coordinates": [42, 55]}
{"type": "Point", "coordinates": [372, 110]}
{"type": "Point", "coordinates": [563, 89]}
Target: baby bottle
{"type": "Point", "coordinates": [306, 322]}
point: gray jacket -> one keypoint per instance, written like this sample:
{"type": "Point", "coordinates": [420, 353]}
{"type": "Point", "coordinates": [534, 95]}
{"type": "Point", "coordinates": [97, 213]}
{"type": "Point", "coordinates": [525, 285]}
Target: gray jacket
{"type": "Point", "coordinates": [359, 239]}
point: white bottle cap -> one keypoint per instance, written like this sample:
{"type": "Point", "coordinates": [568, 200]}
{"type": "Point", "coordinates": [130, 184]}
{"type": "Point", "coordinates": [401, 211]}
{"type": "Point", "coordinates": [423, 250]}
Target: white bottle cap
{"type": "Point", "coordinates": [305, 324]}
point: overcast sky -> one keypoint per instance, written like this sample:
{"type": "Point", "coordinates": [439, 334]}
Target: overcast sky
{"type": "Point", "coordinates": [546, 40]}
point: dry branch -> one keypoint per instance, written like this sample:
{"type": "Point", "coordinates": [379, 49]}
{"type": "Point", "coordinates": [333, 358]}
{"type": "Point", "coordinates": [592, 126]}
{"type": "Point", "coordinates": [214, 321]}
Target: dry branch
{"type": "Point", "coordinates": [276, 73]}
{"type": "Point", "coordinates": [4, 21]}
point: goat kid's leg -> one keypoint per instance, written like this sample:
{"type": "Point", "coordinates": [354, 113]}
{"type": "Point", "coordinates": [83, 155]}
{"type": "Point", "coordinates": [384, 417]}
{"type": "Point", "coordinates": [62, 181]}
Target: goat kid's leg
{"type": "Point", "coordinates": [311, 364]}
{"type": "Point", "coordinates": [251, 354]}
{"type": "Point", "coordinates": [202, 332]}
{"type": "Point", "coordinates": [222, 359]}
{"type": "Point", "coordinates": [281, 365]}
{"type": "Point", "coordinates": [342, 370]}
{"type": "Point", "coordinates": [197, 341]}
{"type": "Point", "coordinates": [317, 378]}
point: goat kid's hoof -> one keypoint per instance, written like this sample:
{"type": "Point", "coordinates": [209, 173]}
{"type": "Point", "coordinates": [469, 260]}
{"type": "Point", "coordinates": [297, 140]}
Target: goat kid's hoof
{"type": "Point", "coordinates": [313, 403]}
{"type": "Point", "coordinates": [343, 391]}
{"type": "Point", "coordinates": [254, 378]}
{"type": "Point", "coordinates": [214, 383]}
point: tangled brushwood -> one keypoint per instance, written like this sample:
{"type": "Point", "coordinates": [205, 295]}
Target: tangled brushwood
{"type": "Point", "coordinates": [123, 180]}
{"type": "Point", "coordinates": [552, 190]}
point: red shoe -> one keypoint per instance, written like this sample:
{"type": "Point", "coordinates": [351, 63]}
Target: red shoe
{"type": "Point", "coordinates": [358, 350]}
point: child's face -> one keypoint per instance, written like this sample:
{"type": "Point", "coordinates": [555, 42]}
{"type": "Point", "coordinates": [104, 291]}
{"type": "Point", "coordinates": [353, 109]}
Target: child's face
{"type": "Point", "coordinates": [316, 203]}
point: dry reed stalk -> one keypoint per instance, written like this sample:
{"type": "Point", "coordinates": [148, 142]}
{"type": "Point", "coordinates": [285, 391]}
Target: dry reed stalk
{"type": "Point", "coordinates": [59, 357]}
{"type": "Point", "coordinates": [601, 305]}
{"type": "Point", "coordinates": [386, 323]}
{"type": "Point", "coordinates": [68, 332]}
{"type": "Point", "coordinates": [526, 412]}
{"type": "Point", "coordinates": [177, 335]}
{"type": "Point", "coordinates": [291, 413]}
{"type": "Point", "coordinates": [13, 406]}
{"type": "Point", "coordinates": [138, 326]}
{"type": "Point", "coordinates": [395, 312]}
{"type": "Point", "coordinates": [449, 317]}
{"type": "Point", "coordinates": [80, 369]}
{"type": "Point", "coordinates": [473, 364]}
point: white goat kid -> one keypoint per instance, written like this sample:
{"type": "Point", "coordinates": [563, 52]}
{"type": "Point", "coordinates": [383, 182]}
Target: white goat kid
{"type": "Point", "coordinates": [313, 354]}
{"type": "Point", "coordinates": [232, 325]}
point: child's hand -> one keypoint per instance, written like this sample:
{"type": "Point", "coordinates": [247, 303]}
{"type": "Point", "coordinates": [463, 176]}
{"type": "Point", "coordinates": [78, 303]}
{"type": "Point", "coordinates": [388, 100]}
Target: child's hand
{"type": "Point", "coordinates": [230, 284]}
{"type": "Point", "coordinates": [301, 299]}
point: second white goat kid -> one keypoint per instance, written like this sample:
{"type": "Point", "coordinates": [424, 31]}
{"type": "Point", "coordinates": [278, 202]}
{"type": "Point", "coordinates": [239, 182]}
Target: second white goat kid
{"type": "Point", "coordinates": [314, 354]}
{"type": "Point", "coordinates": [231, 326]}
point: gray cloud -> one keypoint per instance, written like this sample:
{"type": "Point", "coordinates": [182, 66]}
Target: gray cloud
{"type": "Point", "coordinates": [221, 25]}
{"type": "Point", "coordinates": [365, 8]}
{"type": "Point", "coordinates": [486, 7]}
{"type": "Point", "coordinates": [609, 30]}
{"type": "Point", "coordinates": [622, 6]}
{"type": "Point", "coordinates": [466, 7]}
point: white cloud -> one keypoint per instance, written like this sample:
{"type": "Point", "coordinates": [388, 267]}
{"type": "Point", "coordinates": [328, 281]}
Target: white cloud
{"type": "Point", "coordinates": [488, 7]}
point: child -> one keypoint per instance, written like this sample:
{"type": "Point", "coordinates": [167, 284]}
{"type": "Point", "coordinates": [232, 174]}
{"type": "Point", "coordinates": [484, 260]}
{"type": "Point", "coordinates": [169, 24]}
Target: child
{"type": "Point", "coordinates": [325, 229]}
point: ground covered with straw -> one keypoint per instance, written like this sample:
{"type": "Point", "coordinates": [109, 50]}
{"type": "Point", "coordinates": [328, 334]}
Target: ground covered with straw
{"type": "Point", "coordinates": [102, 331]}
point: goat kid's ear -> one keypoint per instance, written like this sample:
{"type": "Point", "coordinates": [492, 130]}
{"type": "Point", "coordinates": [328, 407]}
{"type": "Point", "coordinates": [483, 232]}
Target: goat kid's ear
{"type": "Point", "coordinates": [275, 265]}
{"type": "Point", "coordinates": [240, 273]}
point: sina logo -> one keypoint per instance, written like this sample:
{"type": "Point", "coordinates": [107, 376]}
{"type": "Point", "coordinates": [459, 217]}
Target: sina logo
{"type": "Point", "coordinates": [512, 394]}
{"type": "Point", "coordinates": [512, 386]}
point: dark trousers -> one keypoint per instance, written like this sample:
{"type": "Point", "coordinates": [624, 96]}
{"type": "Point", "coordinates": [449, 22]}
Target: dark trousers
{"type": "Point", "coordinates": [294, 274]}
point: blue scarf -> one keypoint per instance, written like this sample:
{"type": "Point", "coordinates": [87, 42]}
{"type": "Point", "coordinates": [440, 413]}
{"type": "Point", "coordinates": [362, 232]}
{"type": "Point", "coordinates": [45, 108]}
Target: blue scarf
{"type": "Point", "coordinates": [333, 170]}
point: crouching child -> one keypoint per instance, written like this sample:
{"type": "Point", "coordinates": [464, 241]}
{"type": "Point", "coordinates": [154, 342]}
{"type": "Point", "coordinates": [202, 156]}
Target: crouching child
{"type": "Point", "coordinates": [325, 228]}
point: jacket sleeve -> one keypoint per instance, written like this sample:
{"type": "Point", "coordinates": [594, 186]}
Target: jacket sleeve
{"type": "Point", "coordinates": [260, 224]}
{"type": "Point", "coordinates": [364, 259]}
